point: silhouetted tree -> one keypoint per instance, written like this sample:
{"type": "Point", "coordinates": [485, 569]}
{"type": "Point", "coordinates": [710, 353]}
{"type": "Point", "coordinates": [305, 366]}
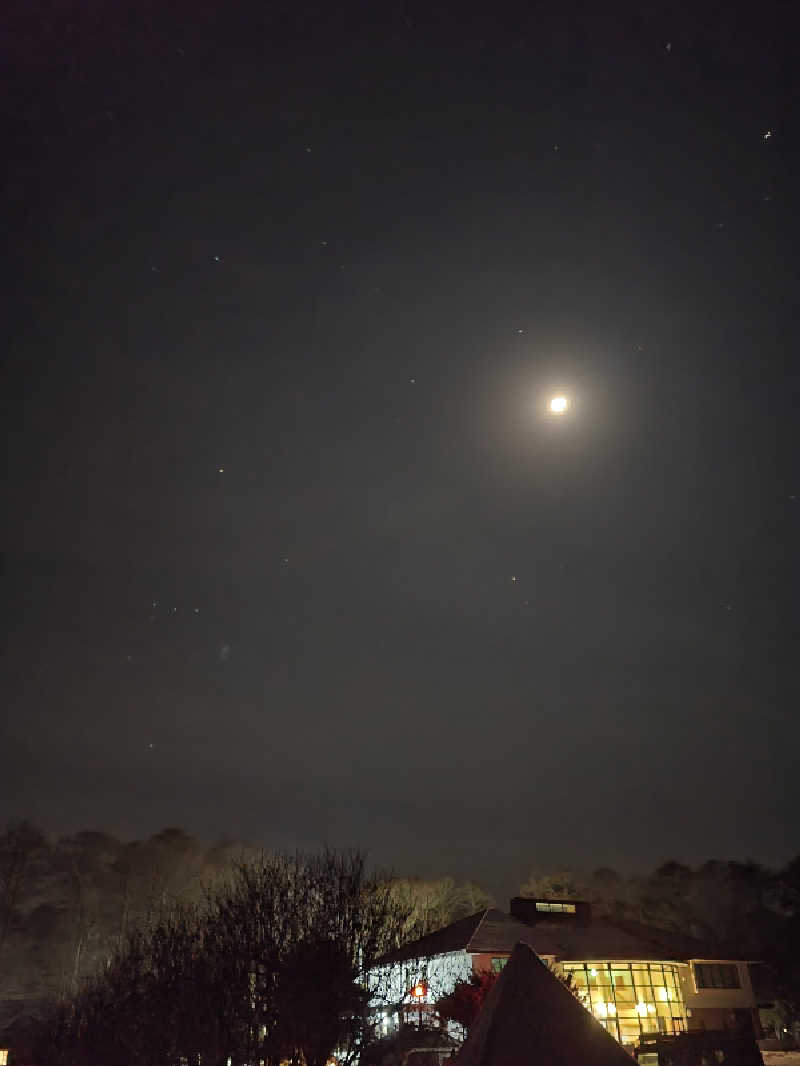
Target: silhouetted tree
{"type": "Point", "coordinates": [19, 845]}
{"type": "Point", "coordinates": [562, 885]}
{"type": "Point", "coordinates": [432, 904]}
{"type": "Point", "coordinates": [271, 966]}
{"type": "Point", "coordinates": [463, 1004]}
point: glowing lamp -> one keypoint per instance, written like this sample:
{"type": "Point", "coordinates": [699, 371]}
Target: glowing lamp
{"type": "Point", "coordinates": [559, 404]}
{"type": "Point", "coordinates": [419, 990]}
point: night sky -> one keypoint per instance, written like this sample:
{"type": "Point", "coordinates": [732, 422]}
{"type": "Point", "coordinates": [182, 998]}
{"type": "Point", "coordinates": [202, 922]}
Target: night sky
{"type": "Point", "coordinates": [295, 551]}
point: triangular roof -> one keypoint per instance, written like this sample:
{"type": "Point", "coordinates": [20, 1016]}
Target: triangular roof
{"type": "Point", "coordinates": [531, 1019]}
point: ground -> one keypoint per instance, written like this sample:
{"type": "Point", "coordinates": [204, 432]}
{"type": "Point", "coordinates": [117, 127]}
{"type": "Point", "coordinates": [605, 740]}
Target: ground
{"type": "Point", "coordinates": [781, 1058]}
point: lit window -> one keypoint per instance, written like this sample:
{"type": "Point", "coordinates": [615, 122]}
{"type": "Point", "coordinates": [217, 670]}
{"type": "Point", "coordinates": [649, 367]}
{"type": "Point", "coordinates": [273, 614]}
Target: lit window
{"type": "Point", "coordinates": [555, 908]}
{"type": "Point", "coordinates": [630, 999]}
{"type": "Point", "coordinates": [716, 975]}
{"type": "Point", "coordinates": [498, 964]}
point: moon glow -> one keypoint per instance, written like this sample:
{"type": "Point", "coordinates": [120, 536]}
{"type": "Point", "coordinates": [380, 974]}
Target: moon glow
{"type": "Point", "coordinates": [559, 404]}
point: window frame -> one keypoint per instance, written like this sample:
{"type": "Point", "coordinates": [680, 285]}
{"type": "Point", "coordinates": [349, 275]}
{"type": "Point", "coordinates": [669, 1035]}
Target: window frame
{"type": "Point", "coordinates": [711, 976]}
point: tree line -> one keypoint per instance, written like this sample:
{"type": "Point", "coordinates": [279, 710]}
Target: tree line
{"type": "Point", "coordinates": [69, 906]}
{"type": "Point", "coordinates": [86, 916]}
{"type": "Point", "coordinates": [271, 966]}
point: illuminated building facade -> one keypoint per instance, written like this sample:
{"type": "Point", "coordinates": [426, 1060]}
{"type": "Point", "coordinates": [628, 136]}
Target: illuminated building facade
{"type": "Point", "coordinates": [635, 980]}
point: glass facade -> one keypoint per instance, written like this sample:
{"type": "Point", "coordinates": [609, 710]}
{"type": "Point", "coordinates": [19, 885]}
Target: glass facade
{"type": "Point", "coordinates": [630, 998]}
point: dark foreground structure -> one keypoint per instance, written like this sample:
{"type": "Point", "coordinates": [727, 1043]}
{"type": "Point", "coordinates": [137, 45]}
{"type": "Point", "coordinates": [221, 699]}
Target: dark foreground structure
{"type": "Point", "coordinates": [530, 1018]}
{"type": "Point", "coordinates": [700, 1048]}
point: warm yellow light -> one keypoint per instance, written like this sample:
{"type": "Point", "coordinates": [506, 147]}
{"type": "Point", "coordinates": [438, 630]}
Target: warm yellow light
{"type": "Point", "coordinates": [559, 404]}
{"type": "Point", "coordinates": [601, 1010]}
{"type": "Point", "coordinates": [612, 1009]}
{"type": "Point", "coordinates": [662, 993]}
{"type": "Point", "coordinates": [418, 991]}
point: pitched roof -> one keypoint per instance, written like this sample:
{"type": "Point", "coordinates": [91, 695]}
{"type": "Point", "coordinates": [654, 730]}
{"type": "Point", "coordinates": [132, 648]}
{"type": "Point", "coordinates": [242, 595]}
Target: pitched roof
{"type": "Point", "coordinates": [600, 939]}
{"type": "Point", "coordinates": [530, 1017]}
{"type": "Point", "coordinates": [607, 938]}
{"type": "Point", "coordinates": [485, 931]}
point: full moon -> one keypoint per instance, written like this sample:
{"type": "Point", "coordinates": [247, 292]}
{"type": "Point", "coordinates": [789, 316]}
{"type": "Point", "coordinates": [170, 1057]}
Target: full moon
{"type": "Point", "coordinates": [559, 404]}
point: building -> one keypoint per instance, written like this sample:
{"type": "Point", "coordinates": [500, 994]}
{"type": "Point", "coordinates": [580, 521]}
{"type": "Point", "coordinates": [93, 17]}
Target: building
{"type": "Point", "coordinates": [635, 979]}
{"type": "Point", "coordinates": [559, 1032]}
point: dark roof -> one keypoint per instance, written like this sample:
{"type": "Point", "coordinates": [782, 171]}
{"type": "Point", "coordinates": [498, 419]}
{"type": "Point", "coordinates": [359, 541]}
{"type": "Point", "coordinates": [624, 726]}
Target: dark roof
{"type": "Point", "coordinates": [608, 938]}
{"type": "Point", "coordinates": [602, 938]}
{"type": "Point", "coordinates": [530, 1017]}
{"type": "Point", "coordinates": [488, 930]}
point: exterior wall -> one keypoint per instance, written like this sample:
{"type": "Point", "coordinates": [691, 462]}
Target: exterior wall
{"type": "Point", "coordinates": [719, 998]}
{"type": "Point", "coordinates": [481, 962]}
{"type": "Point", "coordinates": [390, 986]}
{"type": "Point", "coordinates": [709, 1018]}
{"type": "Point", "coordinates": [721, 1008]}
{"type": "Point", "coordinates": [710, 1008]}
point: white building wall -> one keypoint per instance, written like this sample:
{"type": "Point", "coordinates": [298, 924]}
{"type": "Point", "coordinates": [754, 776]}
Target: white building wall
{"type": "Point", "coordinates": [390, 986]}
{"type": "Point", "coordinates": [720, 998]}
